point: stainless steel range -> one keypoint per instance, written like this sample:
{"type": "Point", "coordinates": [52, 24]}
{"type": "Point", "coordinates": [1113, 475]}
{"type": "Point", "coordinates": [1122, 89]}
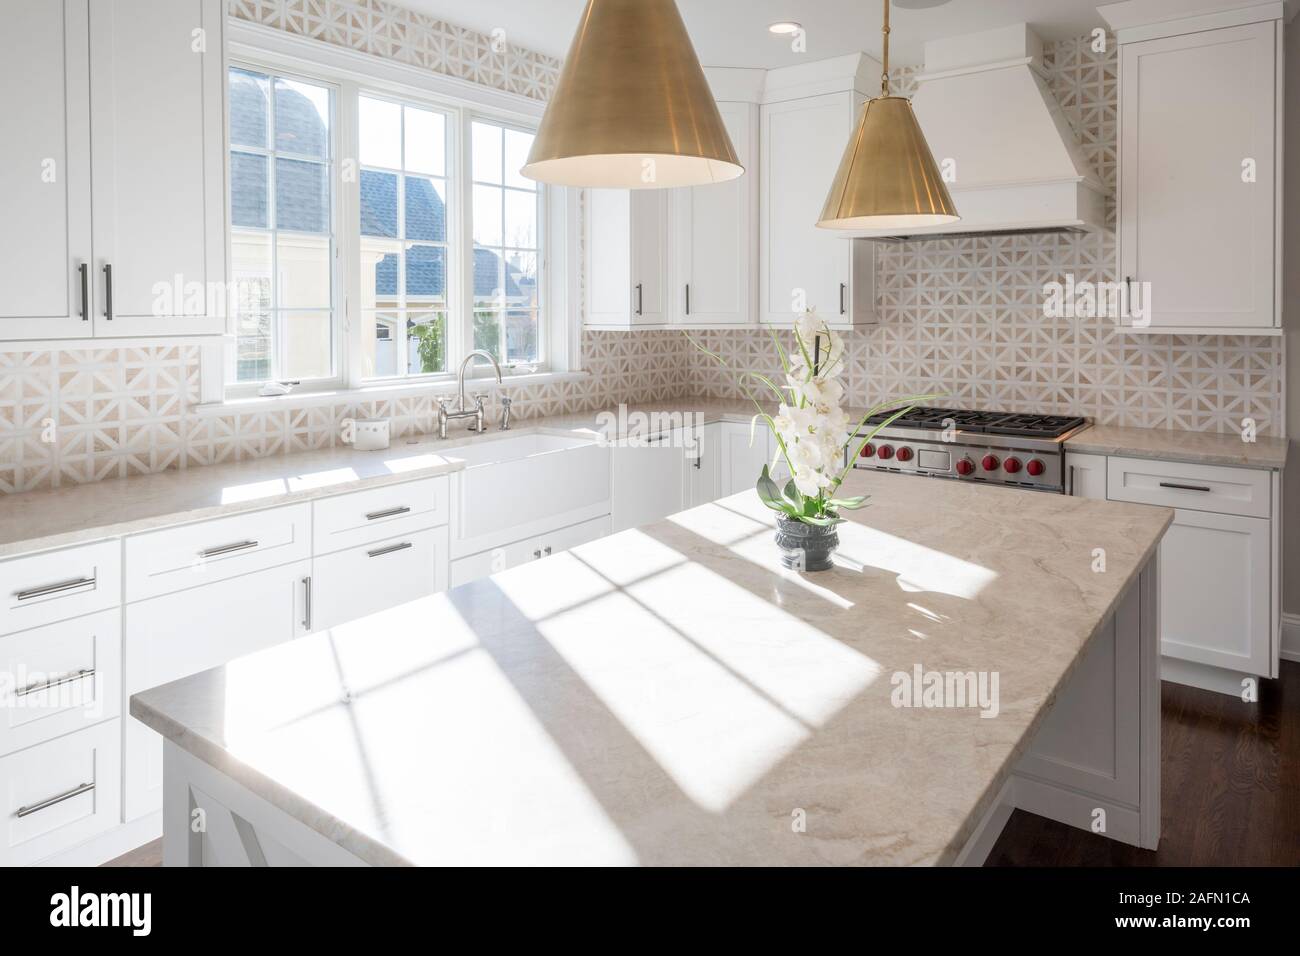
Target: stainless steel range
{"type": "Point", "coordinates": [1003, 448]}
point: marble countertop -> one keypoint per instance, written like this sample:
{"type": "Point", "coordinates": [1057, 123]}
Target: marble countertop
{"type": "Point", "coordinates": [1208, 448]}
{"type": "Point", "coordinates": [40, 520]}
{"type": "Point", "coordinates": [670, 695]}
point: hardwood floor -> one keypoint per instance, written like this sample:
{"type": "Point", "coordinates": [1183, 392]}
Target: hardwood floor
{"type": "Point", "coordinates": [1231, 791]}
{"type": "Point", "coordinates": [1230, 787]}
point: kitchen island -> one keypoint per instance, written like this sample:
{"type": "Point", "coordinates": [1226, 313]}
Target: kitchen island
{"type": "Point", "coordinates": [669, 695]}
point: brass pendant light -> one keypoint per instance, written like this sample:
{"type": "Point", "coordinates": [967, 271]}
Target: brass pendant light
{"type": "Point", "coordinates": [888, 178]}
{"type": "Point", "coordinates": [632, 109]}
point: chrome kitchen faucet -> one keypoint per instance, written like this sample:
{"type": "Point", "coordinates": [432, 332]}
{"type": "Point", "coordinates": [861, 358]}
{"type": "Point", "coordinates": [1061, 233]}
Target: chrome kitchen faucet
{"type": "Point", "coordinates": [476, 413]}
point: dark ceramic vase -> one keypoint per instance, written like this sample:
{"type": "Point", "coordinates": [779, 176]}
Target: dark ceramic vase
{"type": "Point", "coordinates": [805, 547]}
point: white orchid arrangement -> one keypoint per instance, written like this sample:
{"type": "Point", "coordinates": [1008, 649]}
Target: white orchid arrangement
{"type": "Point", "coordinates": [811, 429]}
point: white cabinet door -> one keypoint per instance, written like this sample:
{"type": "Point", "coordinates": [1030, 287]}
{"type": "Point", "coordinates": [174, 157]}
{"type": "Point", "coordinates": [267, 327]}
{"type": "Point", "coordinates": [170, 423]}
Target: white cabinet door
{"type": "Point", "coordinates": [802, 142]}
{"type": "Point", "coordinates": [741, 457]}
{"type": "Point", "coordinates": [158, 173]}
{"type": "Point", "coordinates": [626, 259]}
{"type": "Point", "coordinates": [714, 237]}
{"type": "Point", "coordinates": [179, 634]}
{"type": "Point", "coordinates": [649, 480]}
{"type": "Point", "coordinates": [1198, 175]}
{"type": "Point", "coordinates": [350, 584]}
{"type": "Point", "coordinates": [486, 563]}
{"type": "Point", "coordinates": [1215, 578]}
{"type": "Point", "coordinates": [1085, 475]}
{"type": "Point", "coordinates": [562, 540]}
{"type": "Point", "coordinates": [45, 156]}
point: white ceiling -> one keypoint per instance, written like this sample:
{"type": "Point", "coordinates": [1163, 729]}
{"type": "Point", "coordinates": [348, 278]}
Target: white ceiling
{"type": "Point", "coordinates": [734, 32]}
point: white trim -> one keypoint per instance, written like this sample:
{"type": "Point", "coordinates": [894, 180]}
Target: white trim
{"type": "Point", "coordinates": [1290, 650]}
{"type": "Point", "coordinates": [110, 844]}
{"type": "Point", "coordinates": [98, 344]}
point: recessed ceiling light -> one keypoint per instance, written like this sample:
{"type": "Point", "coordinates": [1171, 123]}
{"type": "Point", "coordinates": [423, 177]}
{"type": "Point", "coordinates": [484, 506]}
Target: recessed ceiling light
{"type": "Point", "coordinates": [784, 28]}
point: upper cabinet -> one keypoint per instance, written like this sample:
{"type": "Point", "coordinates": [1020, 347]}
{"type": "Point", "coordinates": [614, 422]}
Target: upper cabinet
{"type": "Point", "coordinates": [45, 255]}
{"type": "Point", "coordinates": [808, 115]}
{"type": "Point", "coordinates": [663, 258]}
{"type": "Point", "coordinates": [714, 236]}
{"type": "Point", "coordinates": [1199, 167]}
{"type": "Point", "coordinates": [119, 228]}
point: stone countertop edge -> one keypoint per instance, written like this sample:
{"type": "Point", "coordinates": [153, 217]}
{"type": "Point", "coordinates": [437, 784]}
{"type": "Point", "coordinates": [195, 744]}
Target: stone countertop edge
{"type": "Point", "coordinates": [1204, 448]}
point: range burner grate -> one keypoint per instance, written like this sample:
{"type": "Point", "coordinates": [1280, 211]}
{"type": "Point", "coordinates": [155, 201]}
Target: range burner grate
{"type": "Point", "coordinates": [989, 423]}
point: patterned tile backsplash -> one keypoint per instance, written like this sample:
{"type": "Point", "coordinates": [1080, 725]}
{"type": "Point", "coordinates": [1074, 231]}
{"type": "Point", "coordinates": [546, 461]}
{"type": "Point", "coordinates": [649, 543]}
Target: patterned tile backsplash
{"type": "Point", "coordinates": [962, 317]}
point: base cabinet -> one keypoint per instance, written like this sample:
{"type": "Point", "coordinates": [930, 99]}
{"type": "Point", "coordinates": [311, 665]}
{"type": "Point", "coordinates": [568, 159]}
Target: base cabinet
{"type": "Point", "coordinates": [179, 634]}
{"type": "Point", "coordinates": [649, 477]}
{"type": "Point", "coordinates": [350, 584]}
{"type": "Point", "coordinates": [486, 563]}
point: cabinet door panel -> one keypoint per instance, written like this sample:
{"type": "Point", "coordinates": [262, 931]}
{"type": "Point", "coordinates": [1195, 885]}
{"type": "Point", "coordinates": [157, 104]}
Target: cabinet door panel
{"type": "Point", "coordinates": [609, 257]}
{"type": "Point", "coordinates": [176, 635]}
{"type": "Point", "coordinates": [803, 141]}
{"type": "Point", "coordinates": [1175, 180]}
{"type": "Point", "coordinates": [1085, 475]}
{"type": "Point", "coordinates": [1214, 591]}
{"type": "Point", "coordinates": [159, 184]}
{"type": "Point", "coordinates": [350, 584]}
{"type": "Point", "coordinates": [714, 237]}
{"type": "Point", "coordinates": [649, 481]}
{"type": "Point", "coordinates": [742, 457]}
{"type": "Point", "coordinates": [649, 225]}
{"type": "Point", "coordinates": [45, 156]}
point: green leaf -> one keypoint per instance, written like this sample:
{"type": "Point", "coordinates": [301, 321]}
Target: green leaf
{"type": "Point", "coordinates": [827, 521]}
{"type": "Point", "coordinates": [770, 495]}
{"type": "Point", "coordinates": [854, 502]}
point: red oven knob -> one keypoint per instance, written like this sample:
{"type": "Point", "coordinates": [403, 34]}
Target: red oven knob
{"type": "Point", "coordinates": [965, 466]}
{"type": "Point", "coordinates": [1035, 467]}
{"type": "Point", "coordinates": [904, 454]}
{"type": "Point", "coordinates": [1011, 465]}
{"type": "Point", "coordinates": [886, 452]}
{"type": "Point", "coordinates": [868, 450]}
{"type": "Point", "coordinates": [990, 462]}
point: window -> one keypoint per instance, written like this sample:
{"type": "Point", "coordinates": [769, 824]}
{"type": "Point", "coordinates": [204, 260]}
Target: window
{"type": "Point", "coordinates": [506, 244]}
{"type": "Point", "coordinates": [404, 249]}
{"type": "Point", "coordinates": [282, 227]}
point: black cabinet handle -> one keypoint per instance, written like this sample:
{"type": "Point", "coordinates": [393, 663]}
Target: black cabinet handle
{"type": "Point", "coordinates": [85, 292]}
{"type": "Point", "coordinates": [688, 298]}
{"type": "Point", "coordinates": [1174, 484]}
{"type": "Point", "coordinates": [843, 288]}
{"type": "Point", "coordinates": [108, 292]}
{"type": "Point", "coordinates": [639, 300]}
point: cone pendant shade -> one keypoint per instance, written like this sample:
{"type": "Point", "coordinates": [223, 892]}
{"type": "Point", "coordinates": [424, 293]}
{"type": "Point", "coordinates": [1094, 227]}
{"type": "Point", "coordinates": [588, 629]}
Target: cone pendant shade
{"type": "Point", "coordinates": [888, 178]}
{"type": "Point", "coordinates": [632, 109]}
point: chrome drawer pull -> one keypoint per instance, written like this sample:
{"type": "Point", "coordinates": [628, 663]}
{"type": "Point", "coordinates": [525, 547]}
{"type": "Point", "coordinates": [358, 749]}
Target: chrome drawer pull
{"type": "Point", "coordinates": [55, 682]}
{"type": "Point", "coordinates": [227, 549]}
{"type": "Point", "coordinates": [390, 549]}
{"type": "Point", "coordinates": [1174, 484]}
{"type": "Point", "coordinates": [306, 603]}
{"type": "Point", "coordinates": [44, 804]}
{"type": "Point", "coordinates": [391, 512]}
{"type": "Point", "coordinates": [53, 588]}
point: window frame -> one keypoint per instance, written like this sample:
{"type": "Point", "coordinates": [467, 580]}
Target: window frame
{"type": "Point", "coordinates": [234, 387]}
{"type": "Point", "coordinates": [350, 75]}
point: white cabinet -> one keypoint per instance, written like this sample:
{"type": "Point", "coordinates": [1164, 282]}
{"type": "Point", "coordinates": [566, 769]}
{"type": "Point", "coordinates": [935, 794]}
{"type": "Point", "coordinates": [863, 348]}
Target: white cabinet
{"type": "Point", "coordinates": [627, 259]}
{"type": "Point", "coordinates": [485, 563]}
{"type": "Point", "coordinates": [742, 454]}
{"type": "Point", "coordinates": [802, 141]}
{"type": "Point", "coordinates": [1085, 475]}
{"type": "Point", "coordinates": [158, 179]}
{"type": "Point", "coordinates": [649, 479]}
{"type": "Point", "coordinates": [112, 133]}
{"type": "Point", "coordinates": [1199, 173]}
{"type": "Point", "coordinates": [45, 155]}
{"type": "Point", "coordinates": [1215, 591]}
{"type": "Point", "coordinates": [714, 239]}
{"type": "Point", "coordinates": [179, 634]}
{"type": "Point", "coordinates": [703, 464]}
{"type": "Point", "coordinates": [350, 584]}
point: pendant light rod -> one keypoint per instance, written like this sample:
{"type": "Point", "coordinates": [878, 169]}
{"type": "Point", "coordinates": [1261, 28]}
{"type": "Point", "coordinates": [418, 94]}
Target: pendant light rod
{"type": "Point", "coordinates": [884, 30]}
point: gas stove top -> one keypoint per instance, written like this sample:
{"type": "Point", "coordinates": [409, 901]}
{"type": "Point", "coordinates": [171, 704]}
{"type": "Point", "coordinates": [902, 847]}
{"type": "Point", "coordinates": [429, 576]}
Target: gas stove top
{"type": "Point", "coordinates": [1004, 448]}
{"type": "Point", "coordinates": [989, 423]}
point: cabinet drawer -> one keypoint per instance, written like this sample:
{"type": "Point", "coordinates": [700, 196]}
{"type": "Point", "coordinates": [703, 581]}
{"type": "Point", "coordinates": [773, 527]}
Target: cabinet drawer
{"type": "Point", "coordinates": [164, 561]}
{"type": "Point", "coordinates": [56, 585]}
{"type": "Point", "coordinates": [59, 678]}
{"type": "Point", "coordinates": [1229, 491]}
{"type": "Point", "coordinates": [60, 793]}
{"type": "Point", "coordinates": [349, 520]}
{"type": "Point", "coordinates": [350, 584]}
{"type": "Point", "coordinates": [493, 561]}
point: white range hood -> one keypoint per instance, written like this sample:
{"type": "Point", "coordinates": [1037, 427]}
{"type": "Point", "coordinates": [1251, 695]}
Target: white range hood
{"type": "Point", "coordinates": [1008, 153]}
